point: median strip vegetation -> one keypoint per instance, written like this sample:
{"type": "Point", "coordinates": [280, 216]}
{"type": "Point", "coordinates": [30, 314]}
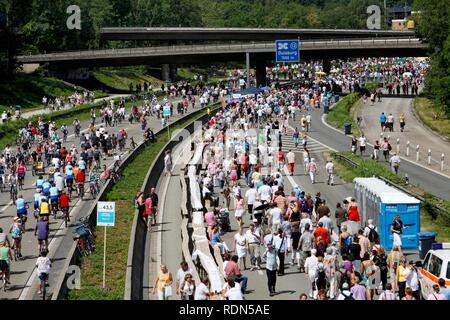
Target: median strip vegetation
{"type": "Point", "coordinates": [433, 116]}
{"type": "Point", "coordinates": [430, 220]}
{"type": "Point", "coordinates": [118, 237]}
{"type": "Point", "coordinates": [344, 111]}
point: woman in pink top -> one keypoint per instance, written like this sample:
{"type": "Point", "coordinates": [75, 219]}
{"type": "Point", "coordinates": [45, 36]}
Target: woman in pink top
{"type": "Point", "coordinates": [148, 212]}
{"type": "Point", "coordinates": [239, 212]}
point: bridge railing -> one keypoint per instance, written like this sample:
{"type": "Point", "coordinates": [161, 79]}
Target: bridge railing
{"type": "Point", "coordinates": [305, 45]}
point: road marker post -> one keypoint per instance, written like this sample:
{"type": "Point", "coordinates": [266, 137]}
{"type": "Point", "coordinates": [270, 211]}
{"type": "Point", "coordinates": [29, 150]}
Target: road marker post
{"type": "Point", "coordinates": [442, 162]}
{"type": "Point", "coordinates": [429, 157]}
{"type": "Point", "coordinates": [407, 149]}
{"type": "Point", "coordinates": [398, 145]}
{"type": "Point", "coordinates": [417, 153]}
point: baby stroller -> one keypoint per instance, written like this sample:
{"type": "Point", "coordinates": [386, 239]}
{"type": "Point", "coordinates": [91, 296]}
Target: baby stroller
{"type": "Point", "coordinates": [224, 220]}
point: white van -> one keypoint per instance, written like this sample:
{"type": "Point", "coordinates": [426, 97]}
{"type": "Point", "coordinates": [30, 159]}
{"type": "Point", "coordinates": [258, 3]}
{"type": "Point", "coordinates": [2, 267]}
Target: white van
{"type": "Point", "coordinates": [436, 265]}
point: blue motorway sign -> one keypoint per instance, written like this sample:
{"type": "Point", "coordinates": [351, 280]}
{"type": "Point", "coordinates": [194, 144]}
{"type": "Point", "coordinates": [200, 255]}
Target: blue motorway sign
{"type": "Point", "coordinates": [287, 50]}
{"type": "Point", "coordinates": [166, 111]}
{"type": "Point", "coordinates": [106, 212]}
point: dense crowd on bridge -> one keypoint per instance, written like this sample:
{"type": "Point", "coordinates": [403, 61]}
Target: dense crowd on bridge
{"type": "Point", "coordinates": [246, 172]}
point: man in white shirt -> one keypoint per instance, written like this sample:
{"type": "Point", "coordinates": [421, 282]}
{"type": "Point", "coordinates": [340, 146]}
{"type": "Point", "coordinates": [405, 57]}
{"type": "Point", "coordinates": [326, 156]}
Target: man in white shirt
{"type": "Point", "coordinates": [250, 195]}
{"type": "Point", "coordinates": [184, 269]}
{"type": "Point", "coordinates": [395, 163]}
{"type": "Point", "coordinates": [202, 290]}
{"type": "Point", "coordinates": [308, 122]}
{"type": "Point", "coordinates": [327, 223]}
{"type": "Point", "coordinates": [265, 193]}
{"type": "Point", "coordinates": [412, 279]}
{"type": "Point", "coordinates": [388, 294]}
{"type": "Point", "coordinates": [329, 168]}
{"type": "Point", "coordinates": [233, 291]}
{"type": "Point", "coordinates": [370, 226]}
{"type": "Point", "coordinates": [43, 265]}
{"type": "Point", "coordinates": [275, 216]}
{"type": "Point", "coordinates": [290, 156]}
{"type": "Point", "coordinates": [253, 237]}
{"type": "Point", "coordinates": [362, 144]}
{"type": "Point", "coordinates": [311, 264]}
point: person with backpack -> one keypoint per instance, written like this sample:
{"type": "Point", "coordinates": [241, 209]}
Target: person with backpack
{"type": "Point", "coordinates": [345, 293]}
{"type": "Point", "coordinates": [345, 240]}
{"type": "Point", "coordinates": [371, 232]}
{"type": "Point", "coordinates": [321, 277]}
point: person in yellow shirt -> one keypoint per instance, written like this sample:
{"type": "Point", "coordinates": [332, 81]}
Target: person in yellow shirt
{"type": "Point", "coordinates": [402, 122]}
{"type": "Point", "coordinates": [401, 277]}
{"type": "Point", "coordinates": [44, 209]}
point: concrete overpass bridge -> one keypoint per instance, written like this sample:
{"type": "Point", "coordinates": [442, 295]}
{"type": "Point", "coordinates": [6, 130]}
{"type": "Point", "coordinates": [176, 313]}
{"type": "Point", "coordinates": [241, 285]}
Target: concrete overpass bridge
{"type": "Point", "coordinates": [247, 34]}
{"type": "Point", "coordinates": [260, 53]}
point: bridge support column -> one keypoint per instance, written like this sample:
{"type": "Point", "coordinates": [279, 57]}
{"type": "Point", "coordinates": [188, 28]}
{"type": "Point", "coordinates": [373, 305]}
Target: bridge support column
{"type": "Point", "coordinates": [261, 77]}
{"type": "Point", "coordinates": [326, 63]}
{"type": "Point", "coordinates": [165, 72]}
{"type": "Point", "coordinates": [173, 72]}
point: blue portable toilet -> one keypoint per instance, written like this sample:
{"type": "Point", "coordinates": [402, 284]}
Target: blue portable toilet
{"type": "Point", "coordinates": [380, 202]}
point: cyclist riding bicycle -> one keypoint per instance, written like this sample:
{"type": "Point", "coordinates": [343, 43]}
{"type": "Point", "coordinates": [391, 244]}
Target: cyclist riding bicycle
{"type": "Point", "coordinates": [39, 183]}
{"type": "Point", "coordinates": [65, 131]}
{"type": "Point", "coordinates": [69, 177]}
{"type": "Point", "coordinates": [5, 260]}
{"type": "Point", "coordinates": [44, 210]}
{"type": "Point", "coordinates": [93, 181]}
{"type": "Point", "coordinates": [64, 202]}
{"type": "Point", "coordinates": [81, 177]}
{"type": "Point", "coordinates": [43, 265]}
{"type": "Point", "coordinates": [21, 207]}
{"type": "Point", "coordinates": [46, 187]}
{"type": "Point", "coordinates": [42, 230]}
{"type": "Point", "coordinates": [17, 230]}
{"type": "Point", "coordinates": [54, 195]}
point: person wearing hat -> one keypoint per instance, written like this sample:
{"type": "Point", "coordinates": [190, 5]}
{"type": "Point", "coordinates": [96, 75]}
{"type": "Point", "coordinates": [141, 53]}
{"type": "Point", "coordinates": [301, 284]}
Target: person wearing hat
{"type": "Point", "coordinates": [345, 293]}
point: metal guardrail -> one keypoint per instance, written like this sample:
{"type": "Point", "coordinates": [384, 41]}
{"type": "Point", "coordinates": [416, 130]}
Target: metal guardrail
{"type": "Point", "coordinates": [434, 209]}
{"type": "Point", "coordinates": [213, 48]}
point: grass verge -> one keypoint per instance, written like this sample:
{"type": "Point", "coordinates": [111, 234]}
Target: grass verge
{"type": "Point", "coordinates": [433, 116]}
{"type": "Point", "coordinates": [120, 78]}
{"type": "Point", "coordinates": [27, 90]}
{"type": "Point", "coordinates": [118, 237]}
{"type": "Point", "coordinates": [369, 168]}
{"type": "Point", "coordinates": [344, 111]}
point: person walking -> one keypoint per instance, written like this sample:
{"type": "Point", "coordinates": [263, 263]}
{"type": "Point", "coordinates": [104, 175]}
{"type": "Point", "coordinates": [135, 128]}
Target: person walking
{"type": "Point", "coordinates": [241, 246]}
{"type": "Point", "coordinates": [281, 244]}
{"type": "Point", "coordinates": [329, 168]}
{"type": "Point", "coordinates": [397, 230]}
{"type": "Point", "coordinates": [386, 147]}
{"type": "Point", "coordinates": [253, 237]}
{"type": "Point", "coordinates": [401, 277]}
{"type": "Point", "coordinates": [383, 121]}
{"type": "Point", "coordinates": [436, 294]}
{"type": "Point", "coordinates": [388, 293]}
{"type": "Point", "coordinates": [310, 266]}
{"type": "Point", "coordinates": [376, 150]}
{"type": "Point", "coordinates": [413, 279]}
{"type": "Point", "coordinates": [305, 245]}
{"type": "Point", "coordinates": [402, 122]}
{"type": "Point", "coordinates": [271, 255]}
{"type": "Point", "coordinates": [296, 137]}
{"type": "Point", "coordinates": [312, 170]}
{"type": "Point", "coordinates": [395, 163]}
{"type": "Point", "coordinates": [290, 157]}
{"type": "Point", "coordinates": [362, 145]}
{"type": "Point", "coordinates": [168, 163]}
{"type": "Point", "coordinates": [163, 283]}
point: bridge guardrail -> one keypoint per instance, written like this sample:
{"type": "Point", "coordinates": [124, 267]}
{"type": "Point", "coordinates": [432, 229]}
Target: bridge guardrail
{"type": "Point", "coordinates": [409, 42]}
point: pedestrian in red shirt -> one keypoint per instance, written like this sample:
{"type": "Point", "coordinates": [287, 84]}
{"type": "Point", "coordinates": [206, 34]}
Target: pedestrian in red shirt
{"type": "Point", "coordinates": [64, 203]}
{"type": "Point", "coordinates": [323, 233]}
{"type": "Point", "coordinates": [148, 211]}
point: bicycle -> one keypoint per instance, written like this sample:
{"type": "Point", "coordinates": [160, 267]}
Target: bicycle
{"type": "Point", "coordinates": [80, 190]}
{"type": "Point", "coordinates": [93, 188]}
{"type": "Point", "coordinates": [65, 214]}
{"type": "Point", "coordinates": [85, 238]}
